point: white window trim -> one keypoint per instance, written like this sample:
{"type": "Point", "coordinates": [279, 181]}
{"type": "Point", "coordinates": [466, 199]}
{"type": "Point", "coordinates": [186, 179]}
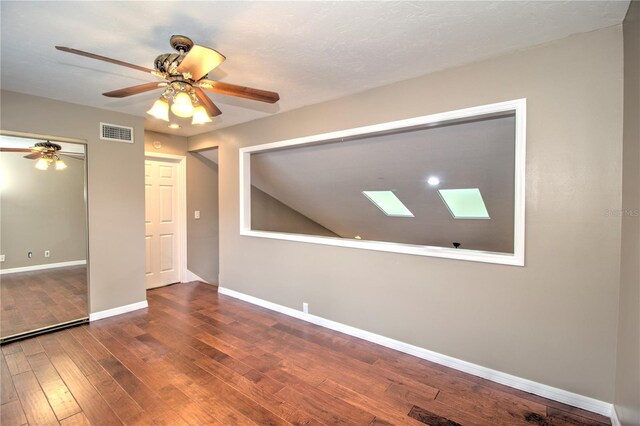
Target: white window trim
{"type": "Point", "coordinates": [519, 106]}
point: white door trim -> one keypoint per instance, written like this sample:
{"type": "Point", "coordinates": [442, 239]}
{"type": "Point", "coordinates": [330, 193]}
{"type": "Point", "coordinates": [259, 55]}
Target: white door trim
{"type": "Point", "coordinates": [181, 161]}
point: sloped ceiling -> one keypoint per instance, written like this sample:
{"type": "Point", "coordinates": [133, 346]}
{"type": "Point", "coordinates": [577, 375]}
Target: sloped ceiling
{"type": "Point", "coordinates": [325, 183]}
{"type": "Point", "coordinates": [309, 52]}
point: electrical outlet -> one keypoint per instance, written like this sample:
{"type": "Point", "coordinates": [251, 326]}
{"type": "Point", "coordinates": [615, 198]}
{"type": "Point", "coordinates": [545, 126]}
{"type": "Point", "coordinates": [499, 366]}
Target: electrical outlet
{"type": "Point", "coordinates": [196, 214]}
{"type": "Point", "coordinates": [305, 307]}
{"type": "Point", "coordinates": [1, 257]}
{"type": "Point", "coordinates": [47, 253]}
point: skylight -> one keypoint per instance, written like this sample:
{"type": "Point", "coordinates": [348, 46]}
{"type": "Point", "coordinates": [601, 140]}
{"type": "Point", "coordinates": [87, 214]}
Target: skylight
{"type": "Point", "coordinates": [464, 203]}
{"type": "Point", "coordinates": [388, 203]}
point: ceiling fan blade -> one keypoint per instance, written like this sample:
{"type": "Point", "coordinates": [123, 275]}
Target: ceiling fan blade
{"type": "Point", "coordinates": [34, 155]}
{"type": "Point", "coordinates": [15, 150]}
{"type": "Point", "coordinates": [134, 90]}
{"type": "Point", "coordinates": [211, 108]}
{"type": "Point", "coordinates": [103, 58]}
{"type": "Point", "coordinates": [199, 61]}
{"type": "Point", "coordinates": [240, 91]}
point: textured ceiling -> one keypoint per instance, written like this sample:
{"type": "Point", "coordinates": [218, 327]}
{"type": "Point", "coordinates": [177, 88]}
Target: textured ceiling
{"type": "Point", "coordinates": [309, 52]}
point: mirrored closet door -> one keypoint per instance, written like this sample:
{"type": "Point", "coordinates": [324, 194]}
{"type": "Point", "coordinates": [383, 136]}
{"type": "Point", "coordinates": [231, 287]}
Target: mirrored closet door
{"type": "Point", "coordinates": [43, 235]}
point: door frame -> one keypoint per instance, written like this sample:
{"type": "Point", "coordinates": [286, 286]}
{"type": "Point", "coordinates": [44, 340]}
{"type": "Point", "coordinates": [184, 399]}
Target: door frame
{"type": "Point", "coordinates": [181, 161]}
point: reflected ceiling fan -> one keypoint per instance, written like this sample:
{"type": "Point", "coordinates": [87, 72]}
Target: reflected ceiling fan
{"type": "Point", "coordinates": [46, 153]}
{"type": "Point", "coordinates": [185, 75]}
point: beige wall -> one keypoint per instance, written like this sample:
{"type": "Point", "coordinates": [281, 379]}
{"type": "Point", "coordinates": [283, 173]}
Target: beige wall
{"type": "Point", "coordinates": [627, 395]}
{"type": "Point", "coordinates": [115, 190]}
{"type": "Point", "coordinates": [202, 195]}
{"type": "Point", "coordinates": [41, 210]}
{"type": "Point", "coordinates": [269, 214]}
{"type": "Point", "coordinates": [203, 234]}
{"type": "Point", "coordinates": [169, 144]}
{"type": "Point", "coordinates": [553, 321]}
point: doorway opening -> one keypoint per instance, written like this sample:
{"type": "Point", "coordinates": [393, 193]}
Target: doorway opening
{"type": "Point", "coordinates": [165, 224]}
{"type": "Point", "coordinates": [203, 234]}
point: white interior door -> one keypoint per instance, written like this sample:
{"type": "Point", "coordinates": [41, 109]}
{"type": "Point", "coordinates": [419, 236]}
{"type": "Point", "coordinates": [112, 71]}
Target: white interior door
{"type": "Point", "coordinates": [162, 230]}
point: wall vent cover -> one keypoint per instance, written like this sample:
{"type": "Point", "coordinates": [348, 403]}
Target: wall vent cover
{"type": "Point", "coordinates": [112, 132]}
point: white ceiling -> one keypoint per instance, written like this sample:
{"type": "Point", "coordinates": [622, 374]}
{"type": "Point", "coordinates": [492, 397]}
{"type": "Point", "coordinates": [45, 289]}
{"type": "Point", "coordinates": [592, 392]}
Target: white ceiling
{"type": "Point", "coordinates": [309, 52]}
{"type": "Point", "coordinates": [325, 183]}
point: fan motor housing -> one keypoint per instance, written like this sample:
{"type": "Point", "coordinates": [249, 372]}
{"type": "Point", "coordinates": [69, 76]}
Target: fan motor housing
{"type": "Point", "coordinates": [181, 43]}
{"type": "Point", "coordinates": [48, 146]}
{"type": "Point", "coordinates": [168, 63]}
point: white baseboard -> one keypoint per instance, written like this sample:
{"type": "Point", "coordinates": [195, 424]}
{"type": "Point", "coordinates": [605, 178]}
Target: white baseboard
{"type": "Point", "coordinates": [615, 420]}
{"type": "Point", "coordinates": [190, 276]}
{"type": "Point", "coordinates": [118, 311]}
{"type": "Point", "coordinates": [44, 266]}
{"type": "Point", "coordinates": [560, 395]}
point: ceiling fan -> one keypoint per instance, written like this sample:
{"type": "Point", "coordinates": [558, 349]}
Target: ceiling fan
{"type": "Point", "coordinates": [46, 153]}
{"type": "Point", "coordinates": [185, 75]}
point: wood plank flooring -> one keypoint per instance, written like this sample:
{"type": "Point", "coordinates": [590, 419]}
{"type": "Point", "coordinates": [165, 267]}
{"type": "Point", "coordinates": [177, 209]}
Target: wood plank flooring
{"type": "Point", "coordinates": [195, 357]}
{"type": "Point", "coordinates": [36, 299]}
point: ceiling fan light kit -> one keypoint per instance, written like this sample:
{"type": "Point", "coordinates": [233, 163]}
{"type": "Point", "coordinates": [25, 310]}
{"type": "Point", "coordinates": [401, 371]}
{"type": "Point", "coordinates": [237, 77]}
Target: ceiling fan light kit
{"type": "Point", "coordinates": [46, 153]}
{"type": "Point", "coordinates": [160, 109]}
{"type": "Point", "coordinates": [42, 164]}
{"type": "Point", "coordinates": [60, 165]}
{"type": "Point", "coordinates": [182, 105]}
{"type": "Point", "coordinates": [185, 73]}
{"type": "Point", "coordinates": [200, 116]}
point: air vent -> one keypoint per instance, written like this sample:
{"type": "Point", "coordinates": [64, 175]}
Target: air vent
{"type": "Point", "coordinates": [112, 132]}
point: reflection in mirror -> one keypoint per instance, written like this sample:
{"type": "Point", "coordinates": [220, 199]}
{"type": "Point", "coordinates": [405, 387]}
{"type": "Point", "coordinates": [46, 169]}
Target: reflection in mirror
{"type": "Point", "coordinates": [43, 241]}
{"type": "Point", "coordinates": [445, 186]}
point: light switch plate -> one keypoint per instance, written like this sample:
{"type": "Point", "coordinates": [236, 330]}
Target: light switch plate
{"type": "Point", "coordinates": [196, 214]}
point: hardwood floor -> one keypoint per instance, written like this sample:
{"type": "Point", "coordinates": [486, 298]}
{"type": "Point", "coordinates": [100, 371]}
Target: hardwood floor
{"type": "Point", "coordinates": [196, 357]}
{"type": "Point", "coordinates": [32, 300]}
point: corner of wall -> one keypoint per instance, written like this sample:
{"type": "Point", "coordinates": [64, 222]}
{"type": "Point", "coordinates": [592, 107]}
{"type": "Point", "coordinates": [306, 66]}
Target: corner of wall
{"type": "Point", "coordinates": [627, 380]}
